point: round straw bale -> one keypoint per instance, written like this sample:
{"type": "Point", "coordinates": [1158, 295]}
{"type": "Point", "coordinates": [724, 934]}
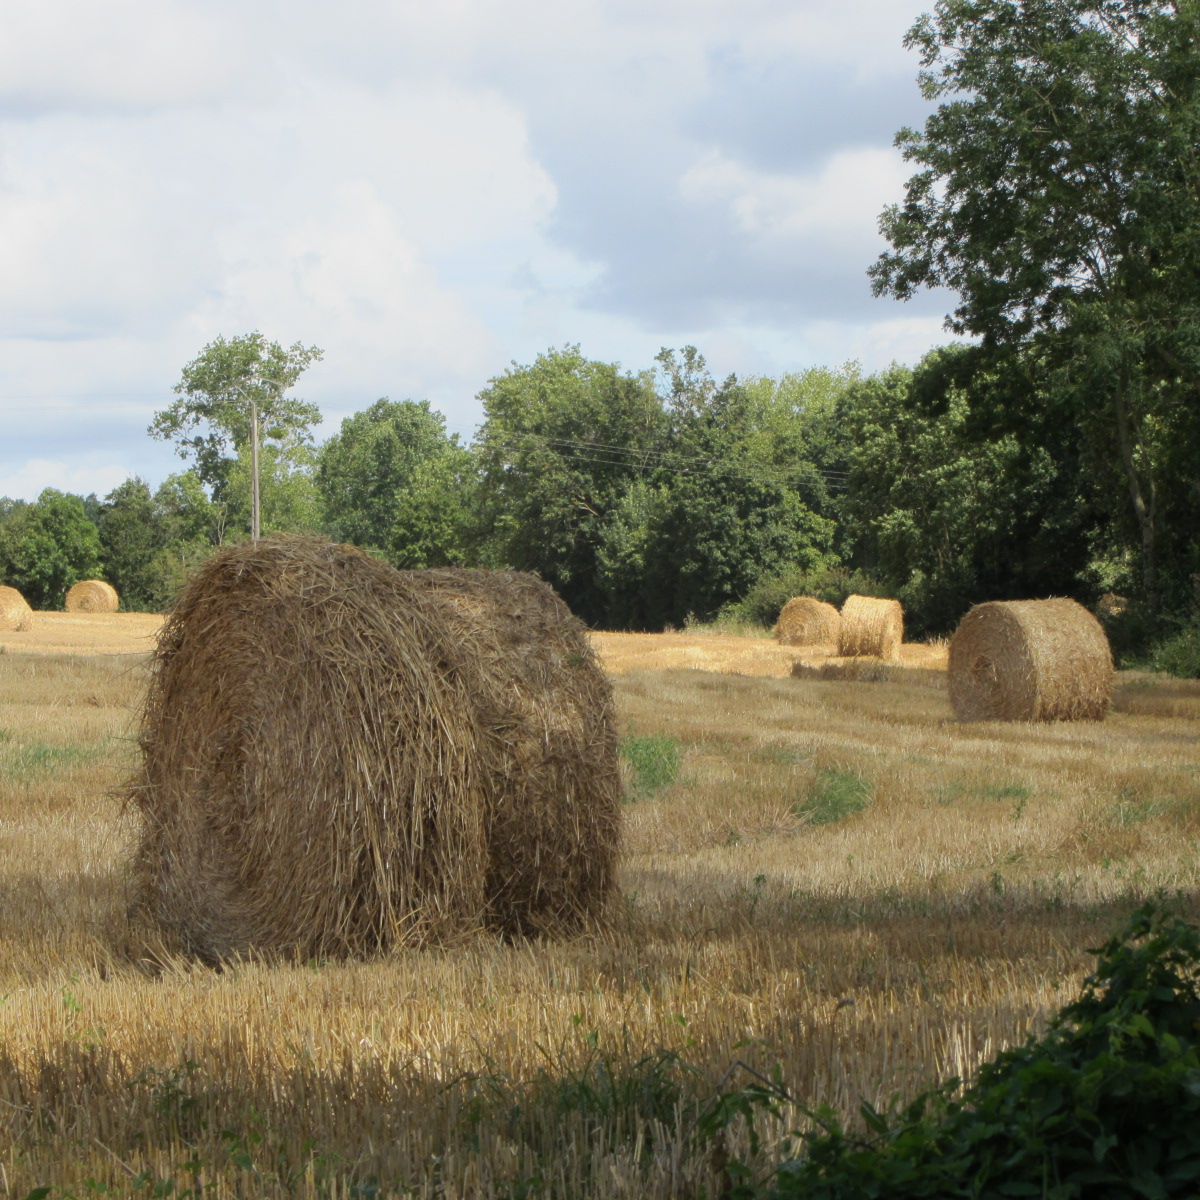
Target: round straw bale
{"type": "Point", "coordinates": [15, 614]}
{"type": "Point", "coordinates": [1110, 606]}
{"type": "Point", "coordinates": [804, 621]}
{"type": "Point", "coordinates": [1030, 660]}
{"type": "Point", "coordinates": [341, 758]}
{"type": "Point", "coordinates": [872, 627]}
{"type": "Point", "coordinates": [92, 596]}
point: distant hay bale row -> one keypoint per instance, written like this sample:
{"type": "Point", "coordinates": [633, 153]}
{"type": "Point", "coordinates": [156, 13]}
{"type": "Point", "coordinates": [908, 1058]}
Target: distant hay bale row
{"type": "Point", "coordinates": [92, 596]}
{"type": "Point", "coordinates": [871, 627]}
{"type": "Point", "coordinates": [15, 614]}
{"type": "Point", "coordinates": [805, 621]}
{"type": "Point", "coordinates": [1030, 660]}
{"type": "Point", "coordinates": [341, 758]}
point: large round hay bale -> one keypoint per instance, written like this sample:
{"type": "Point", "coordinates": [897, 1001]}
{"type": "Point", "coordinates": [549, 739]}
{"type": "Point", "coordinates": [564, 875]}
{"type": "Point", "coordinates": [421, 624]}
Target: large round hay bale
{"type": "Point", "coordinates": [341, 758]}
{"type": "Point", "coordinates": [805, 621]}
{"type": "Point", "coordinates": [15, 614]}
{"type": "Point", "coordinates": [872, 627]}
{"type": "Point", "coordinates": [92, 596]}
{"type": "Point", "coordinates": [1030, 660]}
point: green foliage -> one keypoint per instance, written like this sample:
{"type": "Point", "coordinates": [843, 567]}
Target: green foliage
{"type": "Point", "coordinates": [654, 762]}
{"type": "Point", "coordinates": [562, 441]}
{"type": "Point", "coordinates": [47, 546]}
{"type": "Point", "coordinates": [1058, 194]}
{"type": "Point", "coordinates": [1180, 655]}
{"type": "Point", "coordinates": [392, 481]}
{"type": "Point", "coordinates": [210, 420]}
{"type": "Point", "coordinates": [834, 796]}
{"type": "Point", "coordinates": [1105, 1103]}
{"type": "Point", "coordinates": [958, 494]}
{"type": "Point", "coordinates": [131, 535]}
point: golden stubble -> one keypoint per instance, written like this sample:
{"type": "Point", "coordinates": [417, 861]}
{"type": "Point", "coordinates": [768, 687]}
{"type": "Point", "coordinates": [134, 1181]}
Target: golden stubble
{"type": "Point", "coordinates": [866, 957]}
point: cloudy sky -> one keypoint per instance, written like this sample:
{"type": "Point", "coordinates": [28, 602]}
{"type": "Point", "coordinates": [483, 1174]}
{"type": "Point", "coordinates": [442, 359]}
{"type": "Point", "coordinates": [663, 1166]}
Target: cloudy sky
{"type": "Point", "coordinates": [428, 190]}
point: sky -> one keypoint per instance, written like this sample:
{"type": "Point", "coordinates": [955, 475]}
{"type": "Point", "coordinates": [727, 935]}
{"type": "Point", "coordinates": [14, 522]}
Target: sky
{"type": "Point", "coordinates": [430, 190]}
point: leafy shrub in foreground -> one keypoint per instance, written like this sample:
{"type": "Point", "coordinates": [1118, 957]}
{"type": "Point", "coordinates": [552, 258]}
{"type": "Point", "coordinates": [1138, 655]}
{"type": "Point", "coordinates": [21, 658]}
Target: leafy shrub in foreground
{"type": "Point", "coordinates": [1106, 1103]}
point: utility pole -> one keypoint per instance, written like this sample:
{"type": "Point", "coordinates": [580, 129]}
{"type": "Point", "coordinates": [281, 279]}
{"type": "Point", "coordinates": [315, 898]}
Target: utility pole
{"type": "Point", "coordinates": [255, 523]}
{"type": "Point", "coordinates": [255, 527]}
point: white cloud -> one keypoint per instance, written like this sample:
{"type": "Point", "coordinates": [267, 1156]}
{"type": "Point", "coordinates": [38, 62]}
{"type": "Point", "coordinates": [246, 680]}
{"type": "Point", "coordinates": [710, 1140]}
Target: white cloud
{"type": "Point", "coordinates": [839, 205]}
{"type": "Point", "coordinates": [27, 481]}
{"type": "Point", "coordinates": [428, 191]}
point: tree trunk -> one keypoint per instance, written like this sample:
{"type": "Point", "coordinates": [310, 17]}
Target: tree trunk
{"type": "Point", "coordinates": [1143, 500]}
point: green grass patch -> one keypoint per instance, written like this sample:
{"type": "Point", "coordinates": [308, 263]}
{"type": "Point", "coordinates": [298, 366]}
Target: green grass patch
{"type": "Point", "coordinates": [1127, 811]}
{"type": "Point", "coordinates": [1005, 791]}
{"type": "Point", "coordinates": [22, 762]}
{"type": "Point", "coordinates": [835, 795]}
{"type": "Point", "coordinates": [654, 762]}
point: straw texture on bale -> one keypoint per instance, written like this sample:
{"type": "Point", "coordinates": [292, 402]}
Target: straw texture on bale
{"type": "Point", "coordinates": [15, 614]}
{"type": "Point", "coordinates": [342, 758]}
{"type": "Point", "coordinates": [92, 596]}
{"type": "Point", "coordinates": [805, 621]}
{"type": "Point", "coordinates": [1030, 660]}
{"type": "Point", "coordinates": [871, 627]}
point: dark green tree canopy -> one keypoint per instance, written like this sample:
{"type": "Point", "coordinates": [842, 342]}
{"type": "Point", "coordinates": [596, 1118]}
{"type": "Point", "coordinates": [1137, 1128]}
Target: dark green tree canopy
{"type": "Point", "coordinates": [47, 546]}
{"type": "Point", "coordinates": [1059, 196]}
{"type": "Point", "coordinates": [1061, 166]}
{"type": "Point", "coordinates": [393, 481]}
{"type": "Point", "coordinates": [561, 442]}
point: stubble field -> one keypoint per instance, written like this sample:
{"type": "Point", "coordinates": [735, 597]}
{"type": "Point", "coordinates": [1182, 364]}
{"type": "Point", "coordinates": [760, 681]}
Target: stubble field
{"type": "Point", "coordinates": [839, 879]}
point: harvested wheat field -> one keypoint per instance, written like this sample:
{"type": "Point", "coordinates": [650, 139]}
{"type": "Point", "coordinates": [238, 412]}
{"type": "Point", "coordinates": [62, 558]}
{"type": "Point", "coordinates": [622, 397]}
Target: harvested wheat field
{"type": "Point", "coordinates": [83, 633]}
{"type": "Point", "coordinates": [834, 877]}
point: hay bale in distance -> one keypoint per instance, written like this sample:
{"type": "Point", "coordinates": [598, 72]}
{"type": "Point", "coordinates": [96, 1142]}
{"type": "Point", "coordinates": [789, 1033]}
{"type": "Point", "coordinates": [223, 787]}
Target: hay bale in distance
{"type": "Point", "coordinates": [1030, 660]}
{"type": "Point", "coordinates": [15, 614]}
{"type": "Point", "coordinates": [805, 621]}
{"type": "Point", "coordinates": [871, 627]}
{"type": "Point", "coordinates": [342, 758]}
{"type": "Point", "coordinates": [1110, 606]}
{"type": "Point", "coordinates": [92, 596]}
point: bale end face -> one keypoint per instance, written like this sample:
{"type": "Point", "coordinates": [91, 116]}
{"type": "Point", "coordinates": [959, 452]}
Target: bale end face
{"type": "Point", "coordinates": [806, 621]}
{"type": "Point", "coordinates": [1030, 660]}
{"type": "Point", "coordinates": [15, 614]}
{"type": "Point", "coordinates": [92, 596]}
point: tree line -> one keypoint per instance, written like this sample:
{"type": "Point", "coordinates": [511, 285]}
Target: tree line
{"type": "Point", "coordinates": [647, 498]}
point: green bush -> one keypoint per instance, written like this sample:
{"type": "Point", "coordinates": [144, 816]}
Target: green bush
{"type": "Point", "coordinates": [1180, 655]}
{"type": "Point", "coordinates": [1105, 1103]}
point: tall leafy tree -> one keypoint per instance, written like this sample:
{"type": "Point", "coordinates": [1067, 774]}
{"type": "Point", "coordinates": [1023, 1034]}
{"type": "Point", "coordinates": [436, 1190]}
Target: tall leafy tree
{"type": "Point", "coordinates": [392, 480]}
{"type": "Point", "coordinates": [1059, 196]}
{"type": "Point", "coordinates": [562, 441]}
{"type": "Point", "coordinates": [210, 420]}
{"type": "Point", "coordinates": [731, 506]}
{"type": "Point", "coordinates": [958, 492]}
{"type": "Point", "coordinates": [47, 546]}
{"type": "Point", "coordinates": [131, 536]}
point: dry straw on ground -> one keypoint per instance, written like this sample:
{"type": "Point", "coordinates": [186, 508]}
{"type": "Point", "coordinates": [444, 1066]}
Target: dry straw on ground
{"type": "Point", "coordinates": [871, 627]}
{"type": "Point", "coordinates": [805, 621]}
{"type": "Point", "coordinates": [15, 614]}
{"type": "Point", "coordinates": [92, 596]}
{"type": "Point", "coordinates": [341, 758]}
{"type": "Point", "coordinates": [1030, 660]}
